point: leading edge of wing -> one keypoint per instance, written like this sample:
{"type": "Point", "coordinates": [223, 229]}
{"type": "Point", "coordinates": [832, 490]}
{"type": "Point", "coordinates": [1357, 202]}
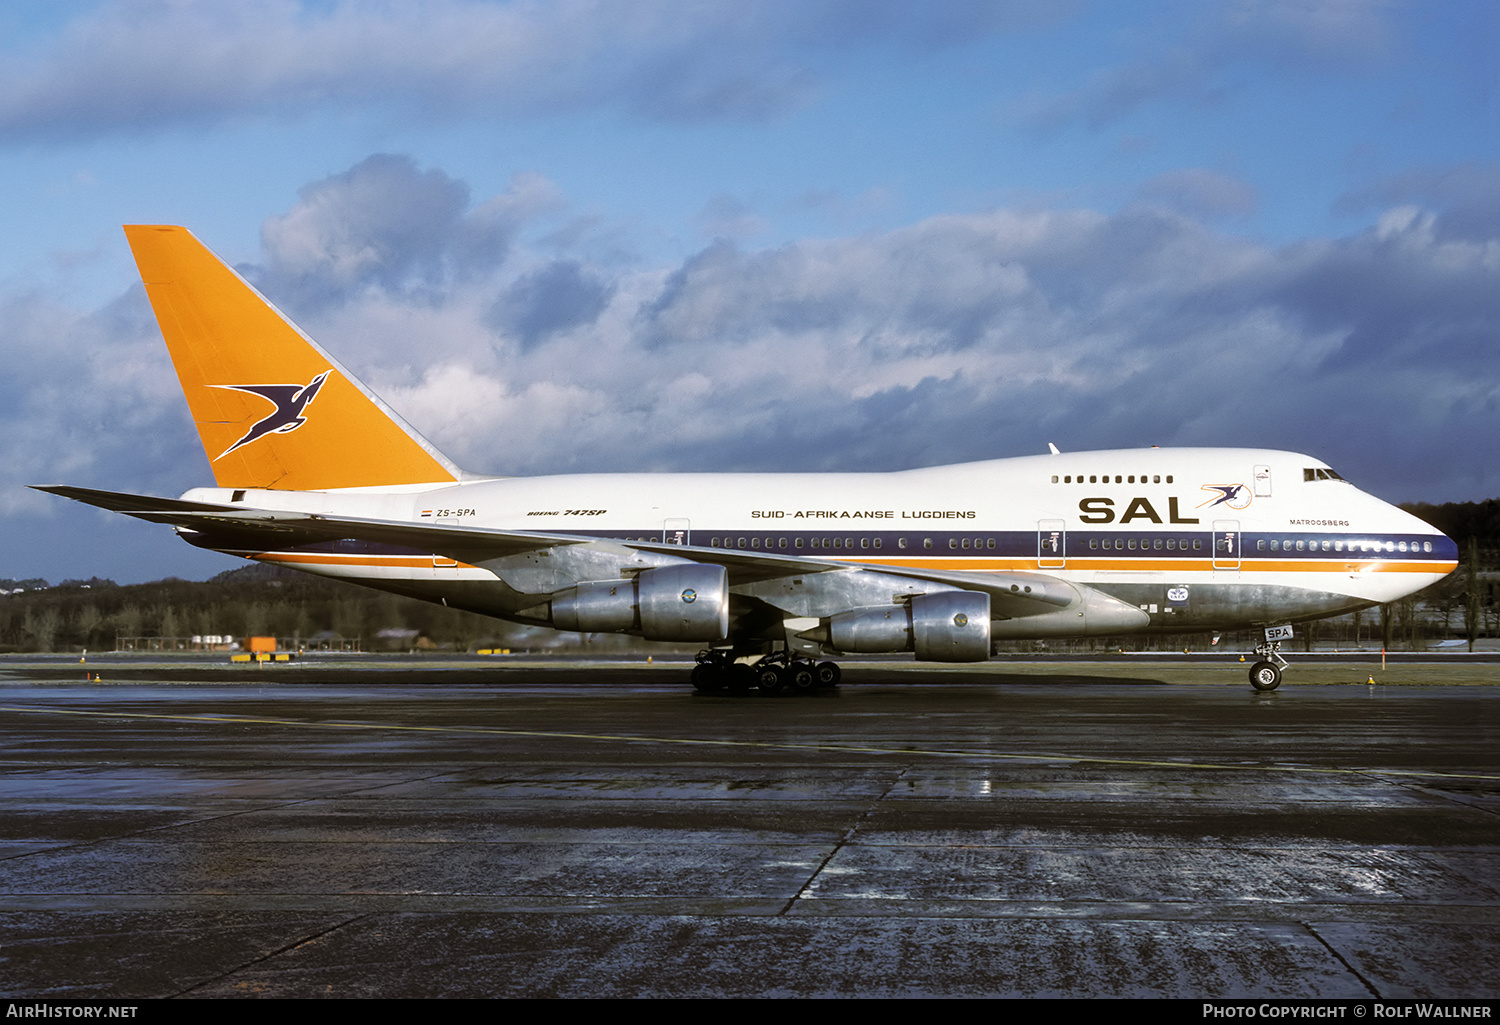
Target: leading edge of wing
{"type": "Point", "coordinates": [465, 543]}
{"type": "Point", "coordinates": [1016, 592]}
{"type": "Point", "coordinates": [283, 528]}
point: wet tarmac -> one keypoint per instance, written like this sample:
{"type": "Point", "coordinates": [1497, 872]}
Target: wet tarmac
{"type": "Point", "coordinates": [587, 830]}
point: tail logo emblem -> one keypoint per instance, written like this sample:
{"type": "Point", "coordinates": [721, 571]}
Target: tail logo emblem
{"type": "Point", "coordinates": [290, 400]}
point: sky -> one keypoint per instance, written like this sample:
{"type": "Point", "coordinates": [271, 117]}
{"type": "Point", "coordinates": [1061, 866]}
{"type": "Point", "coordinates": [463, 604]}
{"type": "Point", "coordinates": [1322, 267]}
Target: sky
{"type": "Point", "coordinates": [631, 235]}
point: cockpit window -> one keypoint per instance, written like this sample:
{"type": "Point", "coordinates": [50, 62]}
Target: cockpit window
{"type": "Point", "coordinates": [1319, 473]}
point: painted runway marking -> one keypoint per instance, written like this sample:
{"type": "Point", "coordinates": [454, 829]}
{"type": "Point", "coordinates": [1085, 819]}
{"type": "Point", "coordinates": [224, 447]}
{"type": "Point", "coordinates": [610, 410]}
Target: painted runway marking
{"type": "Point", "coordinates": [905, 752]}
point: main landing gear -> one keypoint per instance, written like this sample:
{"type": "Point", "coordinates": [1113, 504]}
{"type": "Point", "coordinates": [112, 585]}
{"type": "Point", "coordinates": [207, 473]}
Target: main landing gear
{"type": "Point", "coordinates": [718, 673]}
{"type": "Point", "coordinates": [1266, 674]}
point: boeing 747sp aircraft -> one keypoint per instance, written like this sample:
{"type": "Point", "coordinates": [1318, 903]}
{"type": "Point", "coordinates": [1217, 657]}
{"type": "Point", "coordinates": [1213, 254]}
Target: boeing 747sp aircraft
{"type": "Point", "coordinates": [771, 573]}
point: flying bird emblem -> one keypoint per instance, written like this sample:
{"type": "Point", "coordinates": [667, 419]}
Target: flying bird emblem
{"type": "Point", "coordinates": [290, 400]}
{"type": "Point", "coordinates": [1236, 496]}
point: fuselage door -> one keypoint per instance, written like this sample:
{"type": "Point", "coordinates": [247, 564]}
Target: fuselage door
{"type": "Point", "coordinates": [1262, 482]}
{"type": "Point", "coordinates": [1051, 544]}
{"type": "Point", "coordinates": [676, 532]}
{"type": "Point", "coordinates": [1227, 544]}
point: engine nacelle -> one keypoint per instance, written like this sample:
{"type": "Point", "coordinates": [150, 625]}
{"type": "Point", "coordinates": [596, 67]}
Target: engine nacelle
{"type": "Point", "coordinates": [687, 602]}
{"type": "Point", "coordinates": [671, 603]}
{"type": "Point", "coordinates": [597, 606]}
{"type": "Point", "coordinates": [949, 626]}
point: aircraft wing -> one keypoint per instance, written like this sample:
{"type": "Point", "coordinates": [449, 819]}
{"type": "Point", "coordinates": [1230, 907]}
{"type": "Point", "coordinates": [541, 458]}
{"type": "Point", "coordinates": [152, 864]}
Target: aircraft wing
{"type": "Point", "coordinates": [1013, 594]}
{"type": "Point", "coordinates": [277, 528]}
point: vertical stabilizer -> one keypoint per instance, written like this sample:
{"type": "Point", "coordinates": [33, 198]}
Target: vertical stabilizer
{"type": "Point", "coordinates": [273, 410]}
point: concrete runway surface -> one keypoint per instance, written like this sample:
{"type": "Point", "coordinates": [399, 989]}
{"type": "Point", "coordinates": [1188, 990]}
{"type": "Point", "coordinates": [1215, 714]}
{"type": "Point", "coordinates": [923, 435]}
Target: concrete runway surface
{"type": "Point", "coordinates": [570, 829]}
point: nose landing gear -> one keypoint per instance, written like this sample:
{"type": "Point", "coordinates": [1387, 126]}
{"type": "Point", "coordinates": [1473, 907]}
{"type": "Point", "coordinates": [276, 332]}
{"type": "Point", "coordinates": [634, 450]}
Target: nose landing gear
{"type": "Point", "coordinates": [1266, 674]}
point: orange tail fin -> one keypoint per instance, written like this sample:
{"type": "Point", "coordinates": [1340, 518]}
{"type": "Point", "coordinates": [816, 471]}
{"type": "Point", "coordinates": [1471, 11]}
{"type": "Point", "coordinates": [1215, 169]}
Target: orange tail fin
{"type": "Point", "coordinates": [273, 410]}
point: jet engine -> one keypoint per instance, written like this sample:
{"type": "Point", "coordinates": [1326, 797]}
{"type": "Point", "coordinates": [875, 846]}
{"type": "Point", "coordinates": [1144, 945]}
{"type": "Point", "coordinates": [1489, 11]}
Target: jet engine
{"type": "Point", "coordinates": [671, 603]}
{"type": "Point", "coordinates": [949, 626]}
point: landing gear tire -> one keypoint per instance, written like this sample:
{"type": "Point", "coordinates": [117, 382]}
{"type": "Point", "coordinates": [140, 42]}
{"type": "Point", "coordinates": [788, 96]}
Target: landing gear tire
{"type": "Point", "coordinates": [741, 678]}
{"type": "Point", "coordinates": [800, 677]}
{"type": "Point", "coordinates": [707, 679]}
{"type": "Point", "coordinates": [827, 674]}
{"type": "Point", "coordinates": [1265, 676]}
{"type": "Point", "coordinates": [769, 679]}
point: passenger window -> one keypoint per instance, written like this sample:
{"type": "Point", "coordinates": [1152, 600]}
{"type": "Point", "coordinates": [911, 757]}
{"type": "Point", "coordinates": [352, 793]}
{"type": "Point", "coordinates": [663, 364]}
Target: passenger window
{"type": "Point", "coordinates": [900, 542]}
{"type": "Point", "coordinates": [927, 542]}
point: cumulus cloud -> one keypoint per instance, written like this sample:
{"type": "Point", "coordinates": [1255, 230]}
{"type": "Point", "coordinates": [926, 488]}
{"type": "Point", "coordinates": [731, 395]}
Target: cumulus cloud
{"type": "Point", "coordinates": [550, 299]}
{"type": "Point", "coordinates": [130, 65]}
{"type": "Point", "coordinates": [385, 224]}
{"type": "Point", "coordinates": [85, 395]}
{"type": "Point", "coordinates": [1193, 63]}
{"type": "Point", "coordinates": [1201, 192]}
{"type": "Point", "coordinates": [1465, 198]}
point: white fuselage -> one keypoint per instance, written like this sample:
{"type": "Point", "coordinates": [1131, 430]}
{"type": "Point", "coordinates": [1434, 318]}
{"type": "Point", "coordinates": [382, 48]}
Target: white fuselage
{"type": "Point", "coordinates": [1196, 538]}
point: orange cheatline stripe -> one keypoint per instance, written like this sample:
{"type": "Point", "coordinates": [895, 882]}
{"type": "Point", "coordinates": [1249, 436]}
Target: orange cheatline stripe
{"type": "Point", "coordinates": [367, 561]}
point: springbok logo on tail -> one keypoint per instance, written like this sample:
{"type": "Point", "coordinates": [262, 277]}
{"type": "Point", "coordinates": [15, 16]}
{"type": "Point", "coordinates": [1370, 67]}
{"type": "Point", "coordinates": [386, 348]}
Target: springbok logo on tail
{"type": "Point", "coordinates": [290, 401]}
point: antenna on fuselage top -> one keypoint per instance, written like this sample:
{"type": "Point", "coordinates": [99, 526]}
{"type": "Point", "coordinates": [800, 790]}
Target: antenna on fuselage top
{"type": "Point", "coordinates": [1053, 448]}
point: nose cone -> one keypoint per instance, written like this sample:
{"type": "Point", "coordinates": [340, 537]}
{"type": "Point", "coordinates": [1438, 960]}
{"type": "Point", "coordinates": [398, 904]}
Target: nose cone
{"type": "Point", "coordinates": [1444, 551]}
{"type": "Point", "coordinates": [1430, 554]}
{"type": "Point", "coordinates": [1445, 548]}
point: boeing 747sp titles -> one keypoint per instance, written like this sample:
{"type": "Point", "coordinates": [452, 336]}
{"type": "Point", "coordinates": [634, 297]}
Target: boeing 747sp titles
{"type": "Point", "coordinates": [770, 573]}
